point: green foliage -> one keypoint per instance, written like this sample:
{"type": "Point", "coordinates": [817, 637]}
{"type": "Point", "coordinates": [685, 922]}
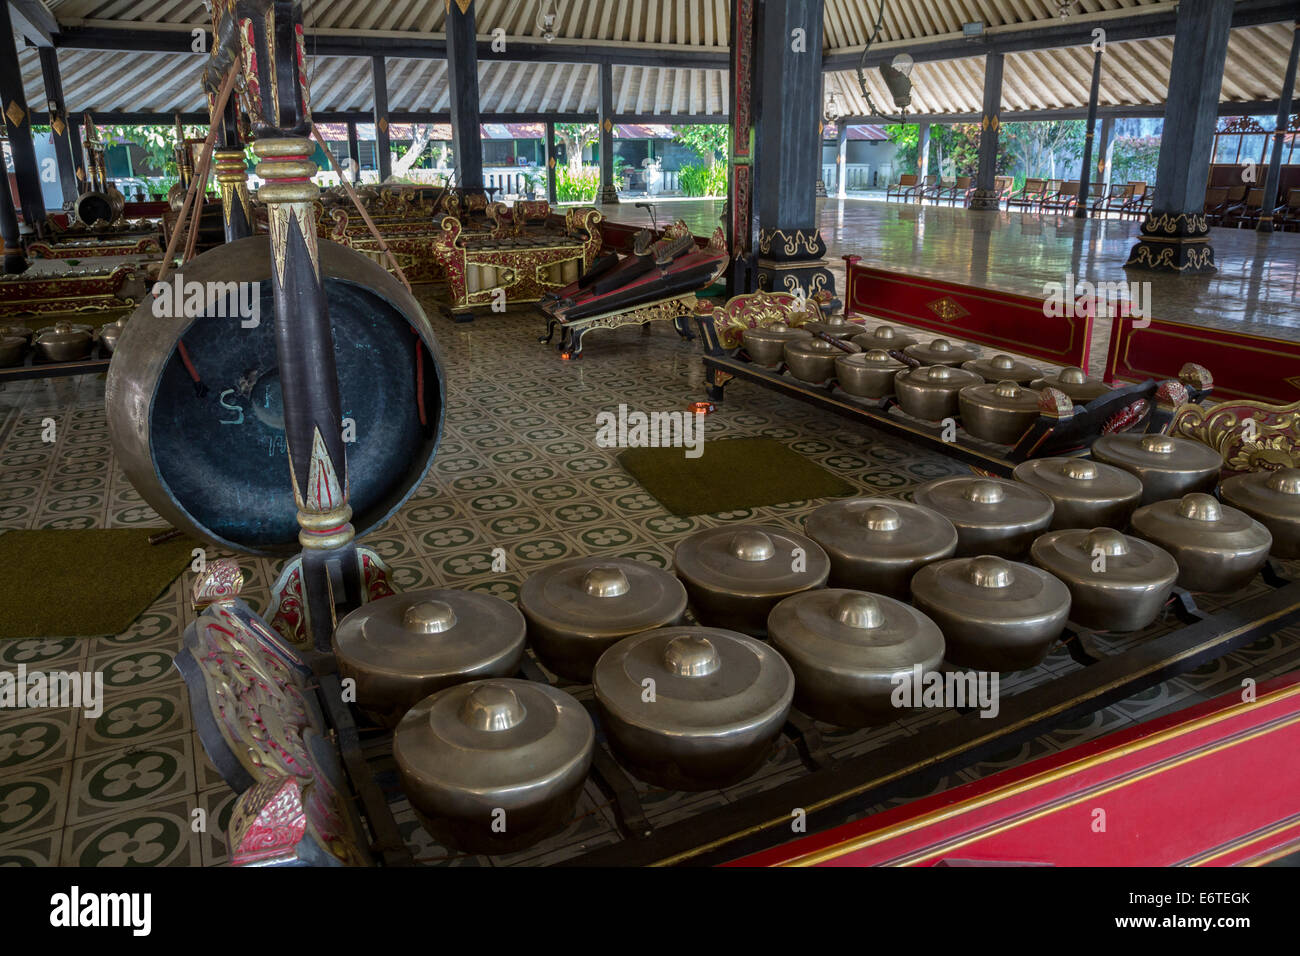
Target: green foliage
{"type": "Point", "coordinates": [158, 143]}
{"type": "Point", "coordinates": [576, 137]}
{"type": "Point", "coordinates": [906, 139]}
{"type": "Point", "coordinates": [578, 185]}
{"type": "Point", "coordinates": [1135, 159]}
{"type": "Point", "coordinates": [620, 172]}
{"type": "Point", "coordinates": [1045, 149]}
{"type": "Point", "coordinates": [709, 141]}
{"type": "Point", "coordinates": [708, 180]}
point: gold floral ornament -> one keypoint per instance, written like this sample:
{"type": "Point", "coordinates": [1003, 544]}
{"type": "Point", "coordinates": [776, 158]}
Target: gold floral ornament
{"type": "Point", "coordinates": [1251, 436]}
{"type": "Point", "coordinates": [759, 310]}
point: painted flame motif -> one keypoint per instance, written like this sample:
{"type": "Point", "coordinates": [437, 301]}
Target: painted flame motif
{"type": "Point", "coordinates": [323, 489]}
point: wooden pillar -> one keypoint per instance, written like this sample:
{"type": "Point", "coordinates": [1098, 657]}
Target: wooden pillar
{"type": "Point", "coordinates": [462, 79]}
{"type": "Point", "coordinates": [15, 261]}
{"type": "Point", "coordinates": [608, 191]}
{"type": "Point", "coordinates": [1175, 236]}
{"type": "Point", "coordinates": [740, 160]}
{"type": "Point", "coordinates": [550, 162]}
{"type": "Point", "coordinates": [383, 152]}
{"type": "Point", "coordinates": [1105, 147]}
{"type": "Point", "coordinates": [986, 193]}
{"type": "Point", "coordinates": [790, 246]}
{"type": "Point", "coordinates": [841, 156]}
{"type": "Point", "coordinates": [64, 132]}
{"type": "Point", "coordinates": [923, 150]}
{"type": "Point", "coordinates": [303, 333]}
{"type": "Point", "coordinates": [1271, 180]}
{"type": "Point", "coordinates": [354, 151]}
{"type": "Point", "coordinates": [228, 157]}
{"type": "Point", "coordinates": [18, 121]}
{"type": "Point", "coordinates": [1085, 177]}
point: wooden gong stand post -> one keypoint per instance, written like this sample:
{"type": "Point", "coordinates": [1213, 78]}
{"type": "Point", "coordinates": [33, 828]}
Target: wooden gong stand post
{"type": "Point", "coordinates": [275, 79]}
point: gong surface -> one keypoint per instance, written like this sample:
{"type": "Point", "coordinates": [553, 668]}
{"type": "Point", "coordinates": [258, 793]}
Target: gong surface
{"type": "Point", "coordinates": [216, 465]}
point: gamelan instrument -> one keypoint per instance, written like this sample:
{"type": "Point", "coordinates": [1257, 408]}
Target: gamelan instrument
{"type": "Point", "coordinates": [195, 412]}
{"type": "Point", "coordinates": [999, 412]}
{"type": "Point", "coordinates": [1085, 494]}
{"type": "Point", "coordinates": [736, 574]}
{"type": "Point", "coordinates": [1117, 582]}
{"type": "Point", "coordinates": [877, 544]}
{"type": "Point", "coordinates": [1075, 383]}
{"type": "Point", "coordinates": [942, 352]}
{"type": "Point", "coordinates": [849, 651]}
{"type": "Point", "coordinates": [766, 345]}
{"type": "Point", "coordinates": [402, 648]}
{"type": "Point", "coordinates": [1273, 499]}
{"type": "Point", "coordinates": [1167, 466]}
{"type": "Point", "coordinates": [579, 608]}
{"type": "Point", "coordinates": [1003, 368]}
{"type": "Point", "coordinates": [494, 765]}
{"type": "Point", "coordinates": [885, 337]}
{"type": "Point", "coordinates": [995, 614]}
{"type": "Point", "coordinates": [1218, 548]}
{"type": "Point", "coordinates": [692, 708]}
{"type": "Point", "coordinates": [991, 515]}
{"type": "Point", "coordinates": [930, 391]}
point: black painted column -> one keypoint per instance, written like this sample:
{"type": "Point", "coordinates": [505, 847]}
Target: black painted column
{"type": "Point", "coordinates": [608, 191]}
{"type": "Point", "coordinates": [1283, 117]}
{"type": "Point", "coordinates": [986, 193]}
{"type": "Point", "coordinates": [18, 121]}
{"type": "Point", "coordinates": [1081, 210]}
{"type": "Point", "coordinates": [228, 160]}
{"type": "Point", "coordinates": [462, 78]}
{"type": "Point", "coordinates": [383, 152]}
{"type": "Point", "coordinates": [1175, 236]}
{"type": "Point", "coordinates": [923, 150]}
{"type": "Point", "coordinates": [14, 259]}
{"type": "Point", "coordinates": [741, 166]}
{"type": "Point", "coordinates": [305, 349]}
{"type": "Point", "coordinates": [62, 130]}
{"type": "Point", "coordinates": [551, 195]}
{"type": "Point", "coordinates": [788, 56]}
{"type": "Point", "coordinates": [354, 152]}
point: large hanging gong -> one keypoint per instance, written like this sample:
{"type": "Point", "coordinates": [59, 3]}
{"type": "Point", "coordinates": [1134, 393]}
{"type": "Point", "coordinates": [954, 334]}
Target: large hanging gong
{"type": "Point", "coordinates": [214, 464]}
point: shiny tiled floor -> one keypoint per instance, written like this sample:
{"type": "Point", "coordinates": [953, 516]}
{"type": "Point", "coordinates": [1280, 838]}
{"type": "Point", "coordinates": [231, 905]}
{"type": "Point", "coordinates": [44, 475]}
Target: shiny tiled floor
{"type": "Point", "coordinates": [519, 469]}
{"type": "Point", "coordinates": [1257, 287]}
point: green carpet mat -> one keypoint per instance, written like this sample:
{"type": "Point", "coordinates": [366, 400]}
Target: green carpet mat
{"type": "Point", "coordinates": [88, 583]}
{"type": "Point", "coordinates": [731, 474]}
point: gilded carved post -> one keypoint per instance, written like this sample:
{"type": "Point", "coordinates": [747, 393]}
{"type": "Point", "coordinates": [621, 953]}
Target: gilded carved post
{"type": "Point", "coordinates": [271, 41]}
{"type": "Point", "coordinates": [228, 157]}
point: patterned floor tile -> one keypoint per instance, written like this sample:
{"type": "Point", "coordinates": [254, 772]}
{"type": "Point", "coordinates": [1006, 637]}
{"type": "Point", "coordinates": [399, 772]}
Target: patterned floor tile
{"type": "Point", "coordinates": [157, 835]}
{"type": "Point", "coordinates": [130, 717]}
{"type": "Point", "coordinates": [132, 778]}
{"type": "Point", "coordinates": [42, 850]}
{"type": "Point", "coordinates": [33, 801]}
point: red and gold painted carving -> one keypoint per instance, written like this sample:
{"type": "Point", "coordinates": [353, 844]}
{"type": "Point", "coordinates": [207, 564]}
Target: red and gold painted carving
{"type": "Point", "coordinates": [91, 290]}
{"type": "Point", "coordinates": [1245, 366]}
{"type": "Point", "coordinates": [524, 272]}
{"type": "Point", "coordinates": [1251, 436]}
{"type": "Point", "coordinates": [999, 320]}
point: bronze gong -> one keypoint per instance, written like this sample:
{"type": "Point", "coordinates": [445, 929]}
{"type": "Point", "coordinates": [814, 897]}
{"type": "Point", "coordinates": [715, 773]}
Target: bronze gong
{"type": "Point", "coordinates": [206, 448]}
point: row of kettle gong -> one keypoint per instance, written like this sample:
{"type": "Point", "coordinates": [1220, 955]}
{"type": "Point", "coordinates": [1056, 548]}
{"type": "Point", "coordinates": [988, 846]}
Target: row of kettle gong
{"type": "Point", "coordinates": [693, 707]}
{"type": "Point", "coordinates": [60, 342]}
{"type": "Point", "coordinates": [995, 399]}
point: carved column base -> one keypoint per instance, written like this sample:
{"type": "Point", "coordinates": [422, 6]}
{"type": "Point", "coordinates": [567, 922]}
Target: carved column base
{"type": "Point", "coordinates": [986, 199]}
{"type": "Point", "coordinates": [608, 195]}
{"type": "Point", "coordinates": [1173, 242]}
{"type": "Point", "coordinates": [792, 259]}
